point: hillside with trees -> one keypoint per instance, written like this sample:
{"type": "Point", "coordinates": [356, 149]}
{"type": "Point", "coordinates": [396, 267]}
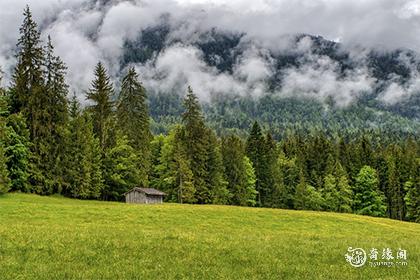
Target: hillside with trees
{"type": "Point", "coordinates": [266, 153]}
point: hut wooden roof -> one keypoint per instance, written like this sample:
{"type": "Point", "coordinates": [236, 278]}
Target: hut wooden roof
{"type": "Point", "coordinates": [149, 191]}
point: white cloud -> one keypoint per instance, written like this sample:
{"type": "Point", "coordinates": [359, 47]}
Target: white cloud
{"type": "Point", "coordinates": [321, 79]}
{"type": "Point", "coordinates": [85, 32]}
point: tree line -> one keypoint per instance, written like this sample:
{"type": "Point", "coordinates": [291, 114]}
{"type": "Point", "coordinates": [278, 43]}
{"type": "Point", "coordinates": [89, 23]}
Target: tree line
{"type": "Point", "coordinates": [50, 144]}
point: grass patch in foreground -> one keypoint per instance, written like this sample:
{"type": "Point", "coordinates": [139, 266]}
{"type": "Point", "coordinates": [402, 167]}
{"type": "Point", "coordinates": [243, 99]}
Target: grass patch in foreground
{"type": "Point", "coordinates": [60, 238]}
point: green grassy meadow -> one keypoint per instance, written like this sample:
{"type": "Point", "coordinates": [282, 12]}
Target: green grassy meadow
{"type": "Point", "coordinates": [60, 238]}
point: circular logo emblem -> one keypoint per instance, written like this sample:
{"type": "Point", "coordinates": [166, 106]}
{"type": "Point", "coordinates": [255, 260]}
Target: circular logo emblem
{"type": "Point", "coordinates": [356, 257]}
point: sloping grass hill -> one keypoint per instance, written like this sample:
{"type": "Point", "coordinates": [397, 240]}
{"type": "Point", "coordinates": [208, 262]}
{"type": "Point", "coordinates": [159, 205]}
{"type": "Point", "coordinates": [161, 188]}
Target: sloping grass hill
{"type": "Point", "coordinates": [60, 238]}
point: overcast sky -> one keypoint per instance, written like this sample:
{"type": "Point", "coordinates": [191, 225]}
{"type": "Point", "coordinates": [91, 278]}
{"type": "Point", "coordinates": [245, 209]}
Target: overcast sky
{"type": "Point", "coordinates": [382, 24]}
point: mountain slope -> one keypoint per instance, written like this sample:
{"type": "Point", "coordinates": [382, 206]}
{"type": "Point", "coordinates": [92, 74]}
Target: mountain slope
{"type": "Point", "coordinates": [366, 88]}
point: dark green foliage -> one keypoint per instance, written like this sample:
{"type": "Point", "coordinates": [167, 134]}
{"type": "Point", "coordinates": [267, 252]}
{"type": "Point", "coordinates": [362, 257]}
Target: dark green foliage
{"type": "Point", "coordinates": [173, 171]}
{"type": "Point", "coordinates": [239, 172]}
{"type": "Point", "coordinates": [18, 153]}
{"type": "Point", "coordinates": [28, 79]}
{"type": "Point", "coordinates": [4, 173]}
{"type": "Point", "coordinates": [262, 152]}
{"type": "Point", "coordinates": [307, 197]}
{"type": "Point", "coordinates": [100, 95]}
{"type": "Point", "coordinates": [337, 193]}
{"type": "Point", "coordinates": [196, 143]}
{"type": "Point", "coordinates": [83, 172]}
{"type": "Point", "coordinates": [39, 92]}
{"type": "Point", "coordinates": [255, 148]}
{"type": "Point", "coordinates": [50, 120]}
{"type": "Point", "coordinates": [133, 121]}
{"type": "Point", "coordinates": [121, 172]}
{"type": "Point", "coordinates": [215, 179]}
{"type": "Point", "coordinates": [368, 198]}
{"type": "Point", "coordinates": [287, 181]}
{"type": "Point", "coordinates": [412, 198]}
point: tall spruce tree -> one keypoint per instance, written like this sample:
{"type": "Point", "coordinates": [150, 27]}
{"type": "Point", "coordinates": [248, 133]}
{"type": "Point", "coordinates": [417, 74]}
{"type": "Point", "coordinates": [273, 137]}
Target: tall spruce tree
{"type": "Point", "coordinates": [255, 151]}
{"type": "Point", "coordinates": [48, 135]}
{"type": "Point", "coordinates": [173, 172]}
{"type": "Point", "coordinates": [196, 143]}
{"type": "Point", "coordinates": [412, 198]}
{"type": "Point", "coordinates": [121, 169]}
{"type": "Point", "coordinates": [368, 199]}
{"type": "Point", "coordinates": [133, 120]}
{"type": "Point", "coordinates": [83, 162]}
{"type": "Point", "coordinates": [28, 80]}
{"type": "Point", "coordinates": [215, 179]}
{"type": "Point", "coordinates": [100, 95]}
{"type": "Point", "coordinates": [18, 153]}
{"type": "Point", "coordinates": [4, 173]}
{"type": "Point", "coordinates": [239, 172]}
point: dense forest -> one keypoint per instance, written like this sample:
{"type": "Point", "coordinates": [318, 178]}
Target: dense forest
{"type": "Point", "coordinates": [51, 145]}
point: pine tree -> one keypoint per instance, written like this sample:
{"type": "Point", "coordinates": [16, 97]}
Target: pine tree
{"type": "Point", "coordinates": [330, 193]}
{"type": "Point", "coordinates": [155, 151]}
{"type": "Point", "coordinates": [336, 192]}
{"type": "Point", "coordinates": [306, 196]}
{"type": "Point", "coordinates": [287, 182]}
{"type": "Point", "coordinates": [368, 198]}
{"type": "Point", "coordinates": [196, 145]}
{"type": "Point", "coordinates": [412, 198]}
{"type": "Point", "coordinates": [51, 119]}
{"type": "Point", "coordinates": [345, 199]}
{"type": "Point", "coordinates": [27, 81]}
{"type": "Point", "coordinates": [174, 175]}
{"type": "Point", "coordinates": [121, 170]}
{"type": "Point", "coordinates": [133, 120]}
{"type": "Point", "coordinates": [215, 179]}
{"type": "Point", "coordinates": [4, 174]}
{"type": "Point", "coordinates": [18, 153]}
{"type": "Point", "coordinates": [249, 194]}
{"type": "Point", "coordinates": [239, 172]}
{"type": "Point", "coordinates": [83, 162]}
{"type": "Point", "coordinates": [100, 95]}
{"type": "Point", "coordinates": [255, 146]}
{"type": "Point", "coordinates": [393, 184]}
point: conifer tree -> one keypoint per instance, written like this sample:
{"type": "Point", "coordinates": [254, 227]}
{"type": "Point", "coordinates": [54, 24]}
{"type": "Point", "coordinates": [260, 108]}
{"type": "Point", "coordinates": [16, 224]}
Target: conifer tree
{"type": "Point", "coordinates": [196, 143]}
{"type": "Point", "coordinates": [27, 83]}
{"type": "Point", "coordinates": [306, 196]}
{"type": "Point", "coordinates": [368, 198]}
{"type": "Point", "coordinates": [215, 179]}
{"type": "Point", "coordinates": [345, 199]}
{"type": "Point", "coordinates": [121, 169]}
{"type": "Point", "coordinates": [18, 153]}
{"type": "Point", "coordinates": [133, 120]}
{"type": "Point", "coordinates": [336, 192]}
{"type": "Point", "coordinates": [4, 174]}
{"type": "Point", "coordinates": [255, 147]}
{"type": "Point", "coordinates": [287, 182]}
{"type": "Point", "coordinates": [100, 95]}
{"type": "Point", "coordinates": [175, 177]}
{"type": "Point", "coordinates": [155, 151]}
{"type": "Point", "coordinates": [51, 119]}
{"type": "Point", "coordinates": [412, 198]}
{"type": "Point", "coordinates": [83, 162]}
{"type": "Point", "coordinates": [249, 194]}
{"type": "Point", "coordinates": [239, 172]}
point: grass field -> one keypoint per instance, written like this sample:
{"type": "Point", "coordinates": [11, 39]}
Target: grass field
{"type": "Point", "coordinates": [59, 238]}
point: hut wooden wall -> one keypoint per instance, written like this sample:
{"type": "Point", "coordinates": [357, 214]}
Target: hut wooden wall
{"type": "Point", "coordinates": [139, 197]}
{"type": "Point", "coordinates": [135, 197]}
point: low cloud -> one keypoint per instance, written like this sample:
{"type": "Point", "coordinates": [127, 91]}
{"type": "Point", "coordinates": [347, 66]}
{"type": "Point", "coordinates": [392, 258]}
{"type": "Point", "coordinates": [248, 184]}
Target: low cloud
{"type": "Point", "coordinates": [86, 31]}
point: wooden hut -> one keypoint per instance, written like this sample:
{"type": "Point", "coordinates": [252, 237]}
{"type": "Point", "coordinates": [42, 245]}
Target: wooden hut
{"type": "Point", "coordinates": [144, 196]}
